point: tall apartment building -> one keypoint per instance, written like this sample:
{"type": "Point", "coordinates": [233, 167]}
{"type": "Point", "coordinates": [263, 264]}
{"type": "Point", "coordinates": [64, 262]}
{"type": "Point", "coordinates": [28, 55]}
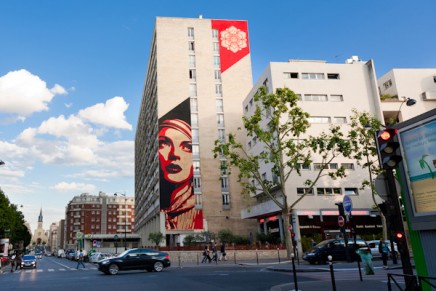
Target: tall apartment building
{"type": "Point", "coordinates": [99, 217]}
{"type": "Point", "coordinates": [199, 71]}
{"type": "Point", "coordinates": [398, 84]}
{"type": "Point", "coordinates": [328, 93]}
{"type": "Point", "coordinates": [53, 236]}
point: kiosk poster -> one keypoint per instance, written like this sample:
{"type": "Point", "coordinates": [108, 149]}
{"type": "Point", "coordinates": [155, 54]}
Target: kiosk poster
{"type": "Point", "coordinates": [419, 148]}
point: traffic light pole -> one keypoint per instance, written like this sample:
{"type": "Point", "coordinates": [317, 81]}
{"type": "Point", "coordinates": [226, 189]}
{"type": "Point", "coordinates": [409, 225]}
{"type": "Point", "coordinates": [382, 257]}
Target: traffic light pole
{"type": "Point", "coordinates": [396, 222]}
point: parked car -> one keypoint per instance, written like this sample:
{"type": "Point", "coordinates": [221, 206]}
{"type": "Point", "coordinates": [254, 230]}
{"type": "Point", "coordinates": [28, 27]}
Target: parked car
{"type": "Point", "coordinates": [373, 245]}
{"type": "Point", "coordinates": [70, 255]}
{"type": "Point", "coordinates": [61, 253]}
{"type": "Point", "coordinates": [335, 248]}
{"type": "Point", "coordinates": [96, 257]}
{"type": "Point", "coordinates": [135, 259]}
{"type": "Point", "coordinates": [28, 261]}
{"type": "Point", "coordinates": [38, 255]}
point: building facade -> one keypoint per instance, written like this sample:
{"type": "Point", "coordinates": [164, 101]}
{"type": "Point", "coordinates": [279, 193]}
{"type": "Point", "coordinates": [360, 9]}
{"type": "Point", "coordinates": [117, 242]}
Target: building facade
{"type": "Point", "coordinates": [399, 84]}
{"type": "Point", "coordinates": [328, 92]}
{"type": "Point", "coordinates": [40, 236]}
{"type": "Point", "coordinates": [99, 216]}
{"type": "Point", "coordinates": [199, 71]}
{"type": "Point", "coordinates": [53, 236]}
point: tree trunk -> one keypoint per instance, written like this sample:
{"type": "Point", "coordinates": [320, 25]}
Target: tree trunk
{"type": "Point", "coordinates": [288, 240]}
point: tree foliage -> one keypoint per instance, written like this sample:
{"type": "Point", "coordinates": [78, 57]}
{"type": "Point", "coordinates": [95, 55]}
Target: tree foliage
{"type": "Point", "coordinates": [281, 127]}
{"type": "Point", "coordinates": [12, 223]}
{"type": "Point", "coordinates": [156, 237]}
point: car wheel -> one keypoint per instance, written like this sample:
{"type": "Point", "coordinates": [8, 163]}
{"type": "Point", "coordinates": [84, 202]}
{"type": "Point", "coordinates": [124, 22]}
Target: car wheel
{"type": "Point", "coordinates": [158, 266]}
{"type": "Point", "coordinates": [113, 269]}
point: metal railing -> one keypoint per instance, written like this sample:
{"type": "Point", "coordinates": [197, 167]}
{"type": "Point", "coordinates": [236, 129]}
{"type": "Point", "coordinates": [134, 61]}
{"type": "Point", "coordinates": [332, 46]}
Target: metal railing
{"type": "Point", "coordinates": [410, 283]}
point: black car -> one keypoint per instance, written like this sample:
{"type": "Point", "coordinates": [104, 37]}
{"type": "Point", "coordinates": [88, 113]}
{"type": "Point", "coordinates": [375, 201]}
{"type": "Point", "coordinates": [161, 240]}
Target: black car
{"type": "Point", "coordinates": [135, 259]}
{"type": "Point", "coordinates": [28, 261]}
{"type": "Point", "coordinates": [335, 248]}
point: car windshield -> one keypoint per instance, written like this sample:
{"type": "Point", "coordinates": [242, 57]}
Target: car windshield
{"type": "Point", "coordinates": [322, 244]}
{"type": "Point", "coordinates": [123, 253]}
{"type": "Point", "coordinates": [28, 257]}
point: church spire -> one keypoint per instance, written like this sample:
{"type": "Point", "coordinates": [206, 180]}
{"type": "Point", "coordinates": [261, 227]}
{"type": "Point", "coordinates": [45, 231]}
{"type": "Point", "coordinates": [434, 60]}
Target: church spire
{"type": "Point", "coordinates": [40, 216]}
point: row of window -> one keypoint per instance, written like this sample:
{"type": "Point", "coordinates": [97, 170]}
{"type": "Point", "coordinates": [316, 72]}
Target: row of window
{"type": "Point", "coordinates": [327, 191]}
{"type": "Point", "coordinates": [331, 166]}
{"type": "Point", "coordinates": [311, 76]}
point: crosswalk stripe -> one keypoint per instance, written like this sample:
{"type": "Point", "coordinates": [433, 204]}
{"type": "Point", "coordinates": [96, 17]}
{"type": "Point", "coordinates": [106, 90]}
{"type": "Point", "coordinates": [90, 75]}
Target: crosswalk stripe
{"type": "Point", "coordinates": [51, 270]}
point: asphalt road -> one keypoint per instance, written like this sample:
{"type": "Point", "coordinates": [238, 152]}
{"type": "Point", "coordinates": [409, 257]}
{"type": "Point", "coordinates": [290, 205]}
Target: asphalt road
{"type": "Point", "coordinates": [61, 274]}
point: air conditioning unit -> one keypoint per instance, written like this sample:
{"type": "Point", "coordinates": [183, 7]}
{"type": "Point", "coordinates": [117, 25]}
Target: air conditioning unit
{"type": "Point", "coordinates": [429, 95]}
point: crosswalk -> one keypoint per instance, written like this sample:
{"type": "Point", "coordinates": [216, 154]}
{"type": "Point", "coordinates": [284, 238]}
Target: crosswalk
{"type": "Point", "coordinates": [50, 270]}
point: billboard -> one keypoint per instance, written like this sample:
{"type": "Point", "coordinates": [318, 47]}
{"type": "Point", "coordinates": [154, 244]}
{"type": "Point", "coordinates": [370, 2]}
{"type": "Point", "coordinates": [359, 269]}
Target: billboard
{"type": "Point", "coordinates": [418, 144]}
{"type": "Point", "coordinates": [177, 199]}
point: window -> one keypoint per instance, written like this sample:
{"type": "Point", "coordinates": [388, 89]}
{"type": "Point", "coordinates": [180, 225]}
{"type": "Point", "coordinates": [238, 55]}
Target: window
{"type": "Point", "coordinates": [195, 150]}
{"type": "Point", "coordinates": [336, 98]}
{"type": "Point", "coordinates": [215, 33]}
{"type": "Point", "coordinates": [251, 102]}
{"type": "Point", "coordinates": [319, 166]}
{"type": "Point", "coordinates": [318, 119]}
{"type": "Point", "coordinates": [314, 97]}
{"type": "Point", "coordinates": [194, 105]}
{"type": "Point", "coordinates": [216, 47]}
{"type": "Point", "coordinates": [217, 74]}
{"type": "Point", "coordinates": [249, 144]}
{"type": "Point", "coordinates": [192, 74]}
{"type": "Point", "coordinates": [216, 61]}
{"type": "Point", "coordinates": [333, 76]}
{"type": "Point", "coordinates": [194, 120]}
{"type": "Point", "coordinates": [196, 165]}
{"type": "Point", "coordinates": [291, 75]}
{"type": "Point", "coordinates": [192, 90]}
{"type": "Point", "coordinates": [224, 168]}
{"type": "Point", "coordinates": [197, 183]}
{"type": "Point", "coordinates": [191, 46]}
{"type": "Point", "coordinates": [387, 84]}
{"type": "Point", "coordinates": [224, 184]}
{"type": "Point", "coordinates": [194, 135]}
{"type": "Point", "coordinates": [221, 135]}
{"type": "Point", "coordinates": [226, 199]}
{"type": "Point", "coordinates": [434, 79]}
{"type": "Point", "coordinates": [220, 120]}
{"type": "Point", "coordinates": [337, 191]}
{"type": "Point", "coordinates": [302, 191]}
{"type": "Point", "coordinates": [190, 32]}
{"type": "Point", "coordinates": [347, 166]}
{"type": "Point", "coordinates": [198, 199]}
{"type": "Point", "coordinates": [264, 176]}
{"type": "Point", "coordinates": [302, 166]}
{"type": "Point", "coordinates": [265, 84]}
{"type": "Point", "coordinates": [192, 60]}
{"type": "Point", "coordinates": [246, 108]}
{"type": "Point", "coordinates": [275, 179]}
{"type": "Point", "coordinates": [333, 166]}
{"type": "Point", "coordinates": [218, 90]}
{"type": "Point", "coordinates": [219, 105]}
{"type": "Point", "coordinates": [254, 140]}
{"type": "Point", "coordinates": [312, 76]}
{"type": "Point", "coordinates": [351, 191]}
{"type": "Point", "coordinates": [340, 120]}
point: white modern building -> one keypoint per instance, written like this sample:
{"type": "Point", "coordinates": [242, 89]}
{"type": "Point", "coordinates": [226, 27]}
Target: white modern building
{"type": "Point", "coordinates": [399, 84]}
{"type": "Point", "coordinates": [328, 93]}
{"type": "Point", "coordinates": [199, 71]}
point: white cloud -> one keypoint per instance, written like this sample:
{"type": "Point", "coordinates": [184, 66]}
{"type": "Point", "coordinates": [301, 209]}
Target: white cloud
{"type": "Point", "coordinates": [77, 187]}
{"type": "Point", "coordinates": [23, 93]}
{"type": "Point", "coordinates": [110, 114]}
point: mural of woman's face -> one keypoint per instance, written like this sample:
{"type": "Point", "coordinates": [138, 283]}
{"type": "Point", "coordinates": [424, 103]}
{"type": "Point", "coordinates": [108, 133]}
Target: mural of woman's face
{"type": "Point", "coordinates": [175, 154]}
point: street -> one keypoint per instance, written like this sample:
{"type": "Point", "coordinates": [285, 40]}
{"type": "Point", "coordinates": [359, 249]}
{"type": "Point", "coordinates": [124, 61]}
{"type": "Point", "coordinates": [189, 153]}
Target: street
{"type": "Point", "coordinates": [60, 274]}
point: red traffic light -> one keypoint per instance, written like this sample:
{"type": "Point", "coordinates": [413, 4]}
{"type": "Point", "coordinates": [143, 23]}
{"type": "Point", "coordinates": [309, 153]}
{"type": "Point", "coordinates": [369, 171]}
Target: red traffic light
{"type": "Point", "coordinates": [385, 135]}
{"type": "Point", "coordinates": [399, 235]}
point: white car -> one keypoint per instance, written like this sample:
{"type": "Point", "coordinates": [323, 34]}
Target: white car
{"type": "Point", "coordinates": [373, 245]}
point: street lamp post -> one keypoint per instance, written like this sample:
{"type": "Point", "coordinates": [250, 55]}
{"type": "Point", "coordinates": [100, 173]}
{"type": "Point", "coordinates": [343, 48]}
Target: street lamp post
{"type": "Point", "coordinates": [125, 208]}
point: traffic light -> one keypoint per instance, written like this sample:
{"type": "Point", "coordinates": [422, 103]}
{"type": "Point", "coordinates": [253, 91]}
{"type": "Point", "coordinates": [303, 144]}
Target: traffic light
{"type": "Point", "coordinates": [294, 241]}
{"type": "Point", "coordinates": [388, 148]}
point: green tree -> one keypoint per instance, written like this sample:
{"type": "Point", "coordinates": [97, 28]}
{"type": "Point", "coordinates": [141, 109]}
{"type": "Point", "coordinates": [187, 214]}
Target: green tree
{"type": "Point", "coordinates": [156, 237]}
{"type": "Point", "coordinates": [281, 126]}
{"type": "Point", "coordinates": [225, 235]}
{"type": "Point", "coordinates": [12, 222]}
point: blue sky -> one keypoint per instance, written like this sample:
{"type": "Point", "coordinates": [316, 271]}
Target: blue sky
{"type": "Point", "coordinates": [72, 73]}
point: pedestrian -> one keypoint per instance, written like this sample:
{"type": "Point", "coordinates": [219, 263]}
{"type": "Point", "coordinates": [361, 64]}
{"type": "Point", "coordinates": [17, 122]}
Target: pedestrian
{"type": "Point", "coordinates": [365, 255]}
{"type": "Point", "coordinates": [18, 261]}
{"type": "Point", "coordinates": [384, 251]}
{"type": "Point", "coordinates": [13, 262]}
{"type": "Point", "coordinates": [223, 252]}
{"type": "Point", "coordinates": [80, 259]}
{"type": "Point", "coordinates": [214, 253]}
{"type": "Point", "coordinates": [206, 256]}
{"type": "Point", "coordinates": [313, 243]}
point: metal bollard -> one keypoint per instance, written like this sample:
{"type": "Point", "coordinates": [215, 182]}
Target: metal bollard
{"type": "Point", "coordinates": [294, 272]}
{"type": "Point", "coordinates": [278, 254]}
{"type": "Point", "coordinates": [257, 257]}
{"type": "Point", "coordinates": [332, 273]}
{"type": "Point", "coordinates": [198, 262]}
{"type": "Point", "coordinates": [179, 261]}
{"type": "Point", "coordinates": [234, 256]}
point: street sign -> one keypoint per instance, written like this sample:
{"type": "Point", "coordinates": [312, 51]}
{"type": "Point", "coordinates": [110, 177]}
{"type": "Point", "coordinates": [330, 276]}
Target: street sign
{"type": "Point", "coordinates": [348, 204]}
{"type": "Point", "coordinates": [79, 235]}
{"type": "Point", "coordinates": [341, 221]}
{"type": "Point", "coordinates": [94, 243]}
{"type": "Point", "coordinates": [380, 186]}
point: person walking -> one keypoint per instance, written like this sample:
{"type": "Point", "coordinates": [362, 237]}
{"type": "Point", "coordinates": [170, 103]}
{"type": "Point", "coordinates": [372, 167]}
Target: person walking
{"type": "Point", "coordinates": [206, 256]}
{"type": "Point", "coordinates": [223, 252]}
{"type": "Point", "coordinates": [18, 261]}
{"type": "Point", "coordinates": [384, 251]}
{"type": "Point", "coordinates": [13, 257]}
{"type": "Point", "coordinates": [214, 253]}
{"type": "Point", "coordinates": [80, 259]}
